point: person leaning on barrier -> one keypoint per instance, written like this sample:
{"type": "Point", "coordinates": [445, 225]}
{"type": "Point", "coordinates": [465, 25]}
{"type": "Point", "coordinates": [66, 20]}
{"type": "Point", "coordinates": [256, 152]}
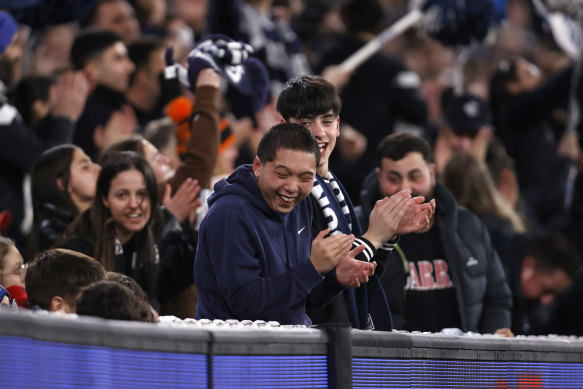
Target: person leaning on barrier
{"type": "Point", "coordinates": [255, 257]}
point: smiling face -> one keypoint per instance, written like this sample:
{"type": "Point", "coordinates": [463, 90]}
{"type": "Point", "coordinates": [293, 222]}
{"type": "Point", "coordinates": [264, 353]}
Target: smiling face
{"type": "Point", "coordinates": [129, 203]}
{"type": "Point", "coordinates": [286, 180]}
{"type": "Point", "coordinates": [410, 172]}
{"type": "Point", "coordinates": [325, 129]}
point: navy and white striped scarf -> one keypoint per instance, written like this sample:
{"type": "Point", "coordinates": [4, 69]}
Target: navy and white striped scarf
{"type": "Point", "coordinates": [367, 305]}
{"type": "Point", "coordinates": [324, 189]}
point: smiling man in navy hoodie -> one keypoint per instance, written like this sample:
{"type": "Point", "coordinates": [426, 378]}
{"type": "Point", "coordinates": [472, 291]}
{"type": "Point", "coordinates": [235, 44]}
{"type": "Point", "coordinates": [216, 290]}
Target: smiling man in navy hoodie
{"type": "Point", "coordinates": [255, 258]}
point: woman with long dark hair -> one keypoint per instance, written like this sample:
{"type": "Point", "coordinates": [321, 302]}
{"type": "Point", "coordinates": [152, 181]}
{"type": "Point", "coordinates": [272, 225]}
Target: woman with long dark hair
{"type": "Point", "coordinates": [63, 181]}
{"type": "Point", "coordinates": [117, 229]}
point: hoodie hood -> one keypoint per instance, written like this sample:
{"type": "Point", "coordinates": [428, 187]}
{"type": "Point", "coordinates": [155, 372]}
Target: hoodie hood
{"type": "Point", "coordinates": [241, 183]}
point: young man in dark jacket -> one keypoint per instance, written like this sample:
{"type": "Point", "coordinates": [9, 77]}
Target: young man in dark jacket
{"type": "Point", "coordinates": [103, 58]}
{"type": "Point", "coordinates": [448, 276]}
{"type": "Point", "coordinates": [255, 258]}
{"type": "Point", "coordinates": [314, 103]}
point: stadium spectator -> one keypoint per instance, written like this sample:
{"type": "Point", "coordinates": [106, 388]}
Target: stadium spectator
{"type": "Point", "coordinates": [31, 97]}
{"type": "Point", "coordinates": [20, 144]}
{"type": "Point", "coordinates": [451, 274]}
{"type": "Point", "coordinates": [149, 92]}
{"type": "Point", "coordinates": [542, 268]}
{"type": "Point", "coordinates": [55, 279]}
{"type": "Point", "coordinates": [111, 300]}
{"type": "Point", "coordinates": [12, 271]}
{"type": "Point", "coordinates": [380, 94]}
{"type": "Point", "coordinates": [117, 230]}
{"type": "Point", "coordinates": [467, 128]}
{"type": "Point", "coordinates": [314, 103]}
{"type": "Point", "coordinates": [148, 314]}
{"type": "Point", "coordinates": [103, 58]}
{"type": "Point", "coordinates": [202, 148]}
{"type": "Point", "coordinates": [270, 265]}
{"type": "Point", "coordinates": [113, 15]}
{"type": "Point", "coordinates": [470, 182]}
{"type": "Point", "coordinates": [63, 181]}
{"type": "Point", "coordinates": [200, 158]}
{"type": "Point", "coordinates": [523, 106]}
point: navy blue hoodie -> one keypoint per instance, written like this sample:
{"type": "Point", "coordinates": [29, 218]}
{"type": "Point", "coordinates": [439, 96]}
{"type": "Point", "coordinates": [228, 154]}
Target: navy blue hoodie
{"type": "Point", "coordinates": [252, 262]}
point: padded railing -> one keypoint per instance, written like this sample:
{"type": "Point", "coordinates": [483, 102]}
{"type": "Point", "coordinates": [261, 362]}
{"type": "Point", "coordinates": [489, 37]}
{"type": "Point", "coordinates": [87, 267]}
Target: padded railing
{"type": "Point", "coordinates": [41, 350]}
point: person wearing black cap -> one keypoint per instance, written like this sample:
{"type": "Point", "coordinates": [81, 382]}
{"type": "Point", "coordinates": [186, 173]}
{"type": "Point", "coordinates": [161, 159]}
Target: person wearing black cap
{"type": "Point", "coordinates": [467, 128]}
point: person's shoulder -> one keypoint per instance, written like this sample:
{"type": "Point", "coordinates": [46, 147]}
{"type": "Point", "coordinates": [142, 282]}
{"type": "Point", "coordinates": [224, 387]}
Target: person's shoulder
{"type": "Point", "coordinates": [79, 236]}
{"type": "Point", "coordinates": [466, 221]}
{"type": "Point", "coordinates": [229, 208]}
{"type": "Point", "coordinates": [231, 202]}
{"type": "Point", "coordinates": [471, 228]}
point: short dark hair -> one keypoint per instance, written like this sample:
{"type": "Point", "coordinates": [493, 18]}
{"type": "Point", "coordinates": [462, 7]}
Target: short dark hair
{"type": "Point", "coordinates": [554, 252]}
{"type": "Point", "coordinates": [397, 146]}
{"type": "Point", "coordinates": [308, 97]}
{"type": "Point", "coordinates": [89, 13]}
{"type": "Point", "coordinates": [90, 44]}
{"type": "Point", "coordinates": [288, 136]}
{"type": "Point", "coordinates": [110, 300]}
{"type": "Point", "coordinates": [60, 272]}
{"type": "Point", "coordinates": [139, 50]}
{"type": "Point", "coordinates": [131, 284]}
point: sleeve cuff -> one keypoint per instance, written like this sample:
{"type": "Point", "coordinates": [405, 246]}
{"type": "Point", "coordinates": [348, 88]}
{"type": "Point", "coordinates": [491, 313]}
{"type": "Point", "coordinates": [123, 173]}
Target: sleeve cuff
{"type": "Point", "coordinates": [390, 245]}
{"type": "Point", "coordinates": [369, 249]}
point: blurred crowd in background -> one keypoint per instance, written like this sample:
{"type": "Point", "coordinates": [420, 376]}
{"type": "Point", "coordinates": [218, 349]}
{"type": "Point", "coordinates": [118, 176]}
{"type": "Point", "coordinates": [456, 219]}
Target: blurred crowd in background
{"type": "Point", "coordinates": [89, 92]}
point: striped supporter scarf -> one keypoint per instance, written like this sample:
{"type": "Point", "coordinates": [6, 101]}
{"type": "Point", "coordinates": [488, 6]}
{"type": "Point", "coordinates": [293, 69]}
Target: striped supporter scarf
{"type": "Point", "coordinates": [324, 188]}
